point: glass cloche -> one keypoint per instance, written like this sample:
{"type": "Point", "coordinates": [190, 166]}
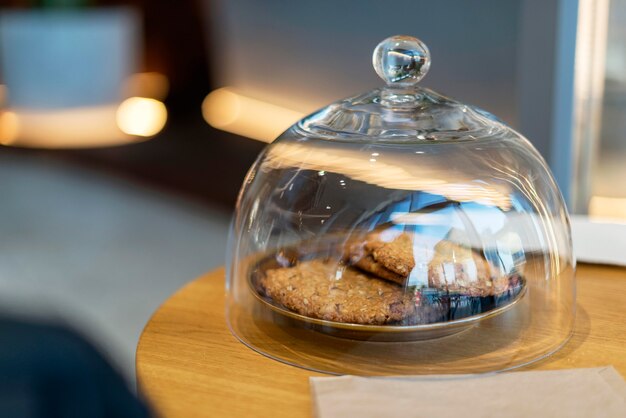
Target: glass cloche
{"type": "Point", "coordinates": [401, 232]}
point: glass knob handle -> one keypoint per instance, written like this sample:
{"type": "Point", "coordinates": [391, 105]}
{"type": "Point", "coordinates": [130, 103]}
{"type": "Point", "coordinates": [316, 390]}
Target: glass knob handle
{"type": "Point", "coordinates": [401, 61]}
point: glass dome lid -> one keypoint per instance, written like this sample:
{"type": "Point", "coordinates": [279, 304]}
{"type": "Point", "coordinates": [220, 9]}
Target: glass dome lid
{"type": "Point", "coordinates": [401, 232]}
{"type": "Point", "coordinates": [401, 111]}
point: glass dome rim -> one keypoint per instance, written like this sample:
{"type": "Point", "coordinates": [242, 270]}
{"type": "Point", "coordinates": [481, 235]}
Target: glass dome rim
{"type": "Point", "coordinates": [399, 125]}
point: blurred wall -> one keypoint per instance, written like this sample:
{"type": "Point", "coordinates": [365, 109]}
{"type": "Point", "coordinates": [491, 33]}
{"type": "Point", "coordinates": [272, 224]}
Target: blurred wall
{"type": "Point", "coordinates": [304, 55]}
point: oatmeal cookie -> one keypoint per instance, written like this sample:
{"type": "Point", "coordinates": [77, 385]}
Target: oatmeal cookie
{"type": "Point", "coordinates": [457, 269]}
{"type": "Point", "coordinates": [367, 263]}
{"type": "Point", "coordinates": [318, 289]}
{"type": "Point", "coordinates": [391, 260]}
{"type": "Point", "coordinates": [395, 255]}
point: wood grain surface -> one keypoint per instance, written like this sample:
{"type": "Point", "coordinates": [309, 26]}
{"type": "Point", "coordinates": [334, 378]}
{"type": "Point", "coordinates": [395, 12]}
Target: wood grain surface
{"type": "Point", "coordinates": [190, 365]}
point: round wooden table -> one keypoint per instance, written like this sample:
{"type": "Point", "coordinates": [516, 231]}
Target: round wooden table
{"type": "Point", "coordinates": [190, 365]}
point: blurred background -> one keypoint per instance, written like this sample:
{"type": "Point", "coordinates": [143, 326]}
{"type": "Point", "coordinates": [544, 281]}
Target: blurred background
{"type": "Point", "coordinates": [126, 127]}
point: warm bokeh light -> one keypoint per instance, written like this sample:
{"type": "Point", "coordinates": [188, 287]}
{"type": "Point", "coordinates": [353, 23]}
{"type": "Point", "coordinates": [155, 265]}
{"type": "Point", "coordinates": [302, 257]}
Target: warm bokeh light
{"type": "Point", "coordinates": [82, 127]}
{"type": "Point", "coordinates": [9, 128]}
{"type": "Point", "coordinates": [150, 84]}
{"type": "Point", "coordinates": [607, 207]}
{"type": "Point", "coordinates": [108, 124]}
{"type": "Point", "coordinates": [141, 116]}
{"type": "Point", "coordinates": [3, 95]}
{"type": "Point", "coordinates": [230, 111]}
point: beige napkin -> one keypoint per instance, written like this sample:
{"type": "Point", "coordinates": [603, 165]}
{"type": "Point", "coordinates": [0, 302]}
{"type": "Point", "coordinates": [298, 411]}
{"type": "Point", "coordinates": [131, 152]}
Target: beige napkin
{"type": "Point", "coordinates": [599, 392]}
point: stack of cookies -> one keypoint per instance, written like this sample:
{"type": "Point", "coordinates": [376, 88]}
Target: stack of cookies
{"type": "Point", "coordinates": [452, 268]}
{"type": "Point", "coordinates": [370, 285]}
